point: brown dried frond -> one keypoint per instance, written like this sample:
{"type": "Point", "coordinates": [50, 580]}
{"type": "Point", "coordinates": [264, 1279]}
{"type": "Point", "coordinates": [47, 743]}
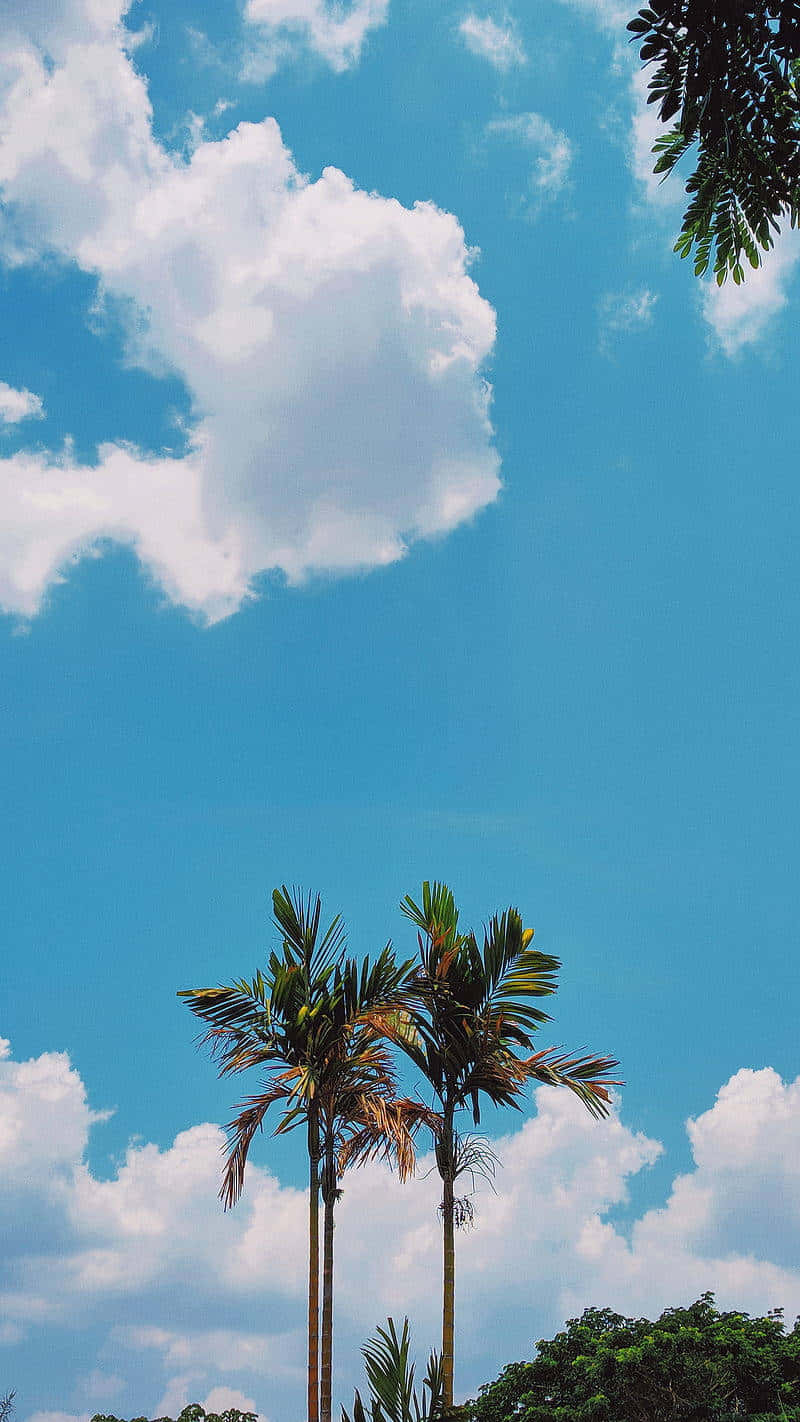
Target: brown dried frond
{"type": "Point", "coordinates": [383, 1128]}
{"type": "Point", "coordinates": [240, 1132]}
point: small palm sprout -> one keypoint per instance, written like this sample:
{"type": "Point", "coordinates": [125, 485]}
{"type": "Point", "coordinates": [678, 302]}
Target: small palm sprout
{"type": "Point", "coordinates": [390, 1375]}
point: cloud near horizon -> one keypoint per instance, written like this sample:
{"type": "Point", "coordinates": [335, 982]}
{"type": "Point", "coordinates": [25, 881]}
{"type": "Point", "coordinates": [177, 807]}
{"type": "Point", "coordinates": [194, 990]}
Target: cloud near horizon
{"type": "Point", "coordinates": [160, 1286]}
{"type": "Point", "coordinates": [331, 340]}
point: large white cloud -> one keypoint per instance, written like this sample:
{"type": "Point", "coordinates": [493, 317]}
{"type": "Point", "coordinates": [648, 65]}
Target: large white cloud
{"type": "Point", "coordinates": [156, 1284]}
{"type": "Point", "coordinates": [332, 340]}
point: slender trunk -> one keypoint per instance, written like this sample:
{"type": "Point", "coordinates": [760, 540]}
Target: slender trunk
{"type": "Point", "coordinates": [449, 1265]}
{"type": "Point", "coordinates": [313, 1270]}
{"type": "Point", "coordinates": [329, 1198]}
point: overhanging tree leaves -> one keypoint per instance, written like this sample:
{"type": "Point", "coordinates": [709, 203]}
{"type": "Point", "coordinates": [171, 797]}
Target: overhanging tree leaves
{"type": "Point", "coordinates": [726, 77]}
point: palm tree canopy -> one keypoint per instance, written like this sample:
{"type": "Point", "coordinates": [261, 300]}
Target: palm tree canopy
{"type": "Point", "coordinates": [310, 1024]}
{"type": "Point", "coordinates": [474, 1011]}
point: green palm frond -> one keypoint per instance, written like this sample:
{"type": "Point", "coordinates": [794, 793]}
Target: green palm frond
{"type": "Point", "coordinates": [298, 919]}
{"type": "Point", "coordinates": [513, 973]}
{"type": "Point", "coordinates": [390, 1373]}
{"type": "Point", "coordinates": [588, 1077]}
{"type": "Point", "coordinates": [474, 1011]}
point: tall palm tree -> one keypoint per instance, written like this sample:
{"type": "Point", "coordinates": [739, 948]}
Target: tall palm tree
{"type": "Point", "coordinates": [360, 1116]}
{"type": "Point", "coordinates": [308, 1024]}
{"type": "Point", "coordinates": [469, 1032]}
{"type": "Point", "coordinates": [280, 1023]}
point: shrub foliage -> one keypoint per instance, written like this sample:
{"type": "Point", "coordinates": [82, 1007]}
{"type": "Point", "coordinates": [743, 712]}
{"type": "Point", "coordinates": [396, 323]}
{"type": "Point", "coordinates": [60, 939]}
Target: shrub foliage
{"type": "Point", "coordinates": [691, 1365]}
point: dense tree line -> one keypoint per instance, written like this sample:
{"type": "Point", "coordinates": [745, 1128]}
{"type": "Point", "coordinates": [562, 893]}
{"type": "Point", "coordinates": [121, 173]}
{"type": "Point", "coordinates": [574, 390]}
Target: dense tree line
{"type": "Point", "coordinates": [693, 1364]}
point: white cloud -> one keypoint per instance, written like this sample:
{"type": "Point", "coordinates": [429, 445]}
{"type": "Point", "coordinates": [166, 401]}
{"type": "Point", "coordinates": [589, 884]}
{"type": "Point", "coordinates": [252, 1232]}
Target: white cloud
{"type": "Point", "coordinates": [497, 43]}
{"type": "Point", "coordinates": [16, 405]}
{"type": "Point", "coordinates": [623, 311]}
{"type": "Point", "coordinates": [331, 340]}
{"type": "Point", "coordinates": [550, 171]}
{"type": "Point", "coordinates": [608, 14]}
{"type": "Point", "coordinates": [336, 32]}
{"type": "Point", "coordinates": [741, 315]}
{"type": "Point", "coordinates": [58, 1417]}
{"type": "Point", "coordinates": [220, 1399]}
{"type": "Point", "coordinates": [177, 1395]}
{"type": "Point", "coordinates": [145, 1266]}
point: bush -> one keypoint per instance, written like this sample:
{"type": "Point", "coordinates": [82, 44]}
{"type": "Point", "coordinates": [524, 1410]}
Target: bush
{"type": "Point", "coordinates": [691, 1365]}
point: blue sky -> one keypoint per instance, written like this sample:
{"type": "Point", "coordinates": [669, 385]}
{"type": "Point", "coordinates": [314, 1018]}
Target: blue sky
{"type": "Point", "coordinates": [381, 499]}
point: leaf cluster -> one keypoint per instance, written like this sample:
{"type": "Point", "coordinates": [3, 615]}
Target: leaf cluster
{"type": "Point", "coordinates": [726, 74]}
{"type": "Point", "coordinates": [390, 1374]}
{"type": "Point", "coordinates": [474, 1010]}
{"type": "Point", "coordinates": [691, 1363]}
{"type": "Point", "coordinates": [310, 1024]}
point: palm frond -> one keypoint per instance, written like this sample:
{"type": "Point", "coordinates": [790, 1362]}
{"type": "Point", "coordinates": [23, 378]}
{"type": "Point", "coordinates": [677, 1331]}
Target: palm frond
{"type": "Point", "coordinates": [587, 1076]}
{"type": "Point", "coordinates": [512, 971]}
{"type": "Point", "coordinates": [241, 1132]}
{"type": "Point", "coordinates": [389, 1372]}
{"type": "Point", "coordinates": [297, 918]}
{"type": "Point", "coordinates": [385, 1129]}
{"type": "Point", "coordinates": [437, 917]}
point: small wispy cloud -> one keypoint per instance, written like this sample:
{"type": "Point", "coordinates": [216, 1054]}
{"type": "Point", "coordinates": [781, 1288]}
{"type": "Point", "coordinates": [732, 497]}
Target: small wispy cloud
{"type": "Point", "coordinates": [334, 32]}
{"type": "Point", "coordinates": [620, 312]}
{"type": "Point", "coordinates": [16, 405]}
{"type": "Point", "coordinates": [499, 44]}
{"type": "Point", "coordinates": [553, 151]}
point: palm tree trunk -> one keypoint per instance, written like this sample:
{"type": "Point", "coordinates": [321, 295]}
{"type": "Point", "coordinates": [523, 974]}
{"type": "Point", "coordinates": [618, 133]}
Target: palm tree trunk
{"type": "Point", "coordinates": [448, 1268]}
{"type": "Point", "coordinates": [313, 1271]}
{"type": "Point", "coordinates": [329, 1198]}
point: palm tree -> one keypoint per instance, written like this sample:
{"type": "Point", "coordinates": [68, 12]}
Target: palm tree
{"type": "Point", "coordinates": [307, 1024]}
{"type": "Point", "coordinates": [360, 1116]}
{"type": "Point", "coordinates": [469, 1033]}
{"type": "Point", "coordinates": [279, 1023]}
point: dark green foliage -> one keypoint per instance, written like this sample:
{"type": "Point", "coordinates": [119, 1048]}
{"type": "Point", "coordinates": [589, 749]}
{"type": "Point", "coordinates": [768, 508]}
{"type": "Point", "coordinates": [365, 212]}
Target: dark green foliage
{"type": "Point", "coordinates": [193, 1413]}
{"type": "Point", "coordinates": [692, 1365]}
{"type": "Point", "coordinates": [7, 1406]}
{"type": "Point", "coordinates": [726, 73]}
